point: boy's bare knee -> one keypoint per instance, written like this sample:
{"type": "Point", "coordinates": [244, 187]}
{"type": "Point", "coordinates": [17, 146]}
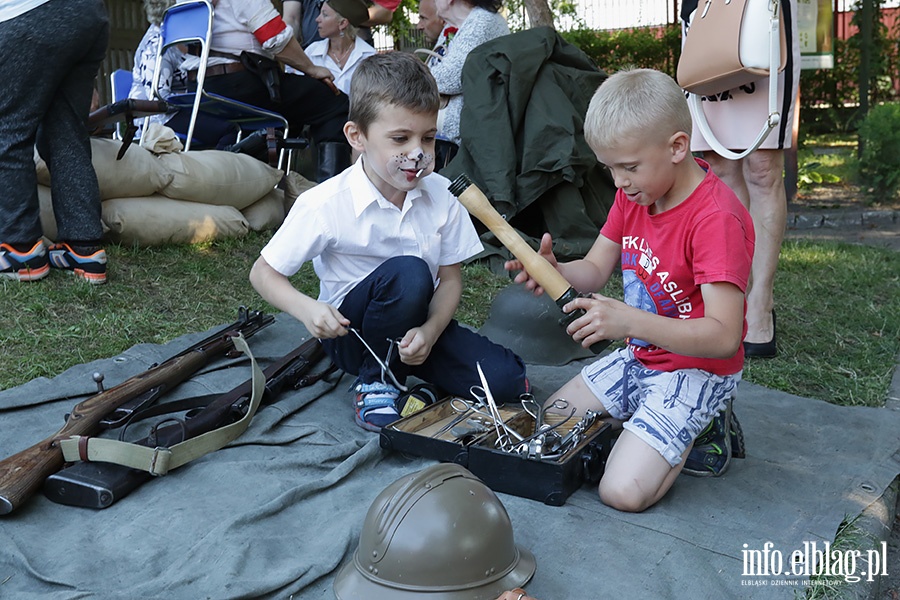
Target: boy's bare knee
{"type": "Point", "coordinates": [624, 496]}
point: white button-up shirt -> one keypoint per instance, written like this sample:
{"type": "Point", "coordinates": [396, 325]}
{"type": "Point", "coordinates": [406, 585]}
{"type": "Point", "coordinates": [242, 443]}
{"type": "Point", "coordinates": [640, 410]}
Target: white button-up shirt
{"type": "Point", "coordinates": [348, 229]}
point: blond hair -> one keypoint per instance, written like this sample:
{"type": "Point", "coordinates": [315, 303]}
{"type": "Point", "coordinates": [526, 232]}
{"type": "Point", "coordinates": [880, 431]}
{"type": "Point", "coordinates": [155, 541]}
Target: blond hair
{"type": "Point", "coordinates": [636, 103]}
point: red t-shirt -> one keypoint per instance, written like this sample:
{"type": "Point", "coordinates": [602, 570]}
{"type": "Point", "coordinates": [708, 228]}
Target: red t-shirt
{"type": "Point", "coordinates": [666, 257]}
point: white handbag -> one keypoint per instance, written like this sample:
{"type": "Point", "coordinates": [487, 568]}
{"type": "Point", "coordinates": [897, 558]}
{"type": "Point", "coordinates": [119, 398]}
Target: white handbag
{"type": "Point", "coordinates": [735, 42]}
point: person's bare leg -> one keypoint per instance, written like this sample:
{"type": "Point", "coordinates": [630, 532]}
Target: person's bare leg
{"type": "Point", "coordinates": [764, 174]}
{"type": "Point", "coordinates": [636, 476]}
{"type": "Point", "coordinates": [758, 182]}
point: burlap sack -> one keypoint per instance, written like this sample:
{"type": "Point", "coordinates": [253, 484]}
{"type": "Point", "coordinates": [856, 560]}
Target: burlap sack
{"type": "Point", "coordinates": [218, 177]}
{"type": "Point", "coordinates": [267, 213]}
{"type": "Point", "coordinates": [294, 185]}
{"type": "Point", "coordinates": [48, 219]}
{"type": "Point", "coordinates": [137, 174]}
{"type": "Point", "coordinates": [157, 220]}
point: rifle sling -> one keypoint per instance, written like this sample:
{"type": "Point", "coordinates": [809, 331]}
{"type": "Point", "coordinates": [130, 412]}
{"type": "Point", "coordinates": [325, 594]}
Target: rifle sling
{"type": "Point", "coordinates": [159, 461]}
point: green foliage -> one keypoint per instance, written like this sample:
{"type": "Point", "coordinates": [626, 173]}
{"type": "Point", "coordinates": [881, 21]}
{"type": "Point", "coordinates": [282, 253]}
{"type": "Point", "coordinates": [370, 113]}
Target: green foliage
{"type": "Point", "coordinates": [879, 165]}
{"type": "Point", "coordinates": [809, 175]}
{"type": "Point", "coordinates": [653, 48]}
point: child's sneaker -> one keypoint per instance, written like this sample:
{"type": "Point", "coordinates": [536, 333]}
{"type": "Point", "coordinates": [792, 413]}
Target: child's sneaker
{"type": "Point", "coordinates": [91, 268]}
{"type": "Point", "coordinates": [712, 451]}
{"type": "Point", "coordinates": [24, 266]}
{"type": "Point", "coordinates": [376, 405]}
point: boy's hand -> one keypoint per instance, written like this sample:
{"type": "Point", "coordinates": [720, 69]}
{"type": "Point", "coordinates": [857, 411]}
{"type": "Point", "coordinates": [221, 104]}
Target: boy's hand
{"type": "Point", "coordinates": [325, 321]}
{"type": "Point", "coordinates": [415, 346]}
{"type": "Point", "coordinates": [604, 319]}
{"type": "Point", "coordinates": [545, 250]}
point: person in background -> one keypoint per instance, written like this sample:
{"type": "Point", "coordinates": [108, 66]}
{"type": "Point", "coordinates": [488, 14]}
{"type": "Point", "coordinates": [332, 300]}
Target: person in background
{"type": "Point", "coordinates": [430, 24]}
{"type": "Point", "coordinates": [171, 77]}
{"type": "Point", "coordinates": [255, 26]}
{"type": "Point", "coordinates": [386, 239]}
{"type": "Point", "coordinates": [477, 22]}
{"type": "Point", "coordinates": [301, 15]}
{"type": "Point", "coordinates": [758, 179]}
{"type": "Point", "coordinates": [340, 51]}
{"type": "Point", "coordinates": [50, 52]}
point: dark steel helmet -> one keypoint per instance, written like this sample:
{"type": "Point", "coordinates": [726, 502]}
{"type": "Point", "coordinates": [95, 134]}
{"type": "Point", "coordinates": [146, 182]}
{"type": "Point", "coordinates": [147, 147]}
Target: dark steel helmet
{"type": "Point", "coordinates": [439, 534]}
{"type": "Point", "coordinates": [529, 326]}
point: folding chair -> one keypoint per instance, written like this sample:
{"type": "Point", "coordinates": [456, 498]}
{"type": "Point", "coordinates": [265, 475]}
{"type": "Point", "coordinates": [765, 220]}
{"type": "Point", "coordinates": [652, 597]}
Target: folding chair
{"type": "Point", "coordinates": [119, 85]}
{"type": "Point", "coordinates": [191, 22]}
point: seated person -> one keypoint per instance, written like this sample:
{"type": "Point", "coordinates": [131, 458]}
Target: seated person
{"type": "Point", "coordinates": [340, 51]}
{"type": "Point", "coordinates": [386, 239]}
{"type": "Point", "coordinates": [684, 243]}
{"type": "Point", "coordinates": [255, 26]}
{"type": "Point", "coordinates": [301, 15]}
{"type": "Point", "coordinates": [208, 131]}
{"type": "Point", "coordinates": [477, 22]}
{"type": "Point", "coordinates": [432, 28]}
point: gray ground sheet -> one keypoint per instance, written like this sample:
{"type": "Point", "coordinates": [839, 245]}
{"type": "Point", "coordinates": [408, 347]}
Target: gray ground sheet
{"type": "Point", "coordinates": [275, 514]}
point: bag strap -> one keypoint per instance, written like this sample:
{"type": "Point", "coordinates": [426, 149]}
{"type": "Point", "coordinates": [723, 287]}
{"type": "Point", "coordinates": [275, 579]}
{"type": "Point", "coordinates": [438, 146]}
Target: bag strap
{"type": "Point", "coordinates": [774, 118]}
{"type": "Point", "coordinates": [159, 461]}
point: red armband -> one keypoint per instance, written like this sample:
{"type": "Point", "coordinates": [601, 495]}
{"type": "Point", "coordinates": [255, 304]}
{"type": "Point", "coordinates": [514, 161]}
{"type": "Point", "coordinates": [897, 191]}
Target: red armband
{"type": "Point", "coordinates": [270, 30]}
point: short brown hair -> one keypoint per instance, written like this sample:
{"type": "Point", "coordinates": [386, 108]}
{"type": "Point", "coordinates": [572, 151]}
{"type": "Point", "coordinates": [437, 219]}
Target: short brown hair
{"type": "Point", "coordinates": [391, 78]}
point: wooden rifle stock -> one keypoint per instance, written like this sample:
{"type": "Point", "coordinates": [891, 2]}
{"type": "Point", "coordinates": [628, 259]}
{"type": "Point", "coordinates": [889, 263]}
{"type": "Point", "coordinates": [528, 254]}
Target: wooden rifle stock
{"type": "Point", "coordinates": [23, 473]}
{"type": "Point", "coordinates": [537, 266]}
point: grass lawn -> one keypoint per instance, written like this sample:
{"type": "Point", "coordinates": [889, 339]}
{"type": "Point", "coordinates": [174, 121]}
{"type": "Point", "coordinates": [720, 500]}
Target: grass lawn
{"type": "Point", "coordinates": [838, 312]}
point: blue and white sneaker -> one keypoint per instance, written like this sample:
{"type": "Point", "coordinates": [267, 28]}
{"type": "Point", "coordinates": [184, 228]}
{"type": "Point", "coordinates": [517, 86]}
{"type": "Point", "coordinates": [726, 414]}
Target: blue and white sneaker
{"type": "Point", "coordinates": [91, 268]}
{"type": "Point", "coordinates": [376, 405]}
{"type": "Point", "coordinates": [24, 266]}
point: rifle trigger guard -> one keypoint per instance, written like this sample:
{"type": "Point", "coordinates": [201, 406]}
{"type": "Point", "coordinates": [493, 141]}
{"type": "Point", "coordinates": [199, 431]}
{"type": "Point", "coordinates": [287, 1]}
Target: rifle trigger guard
{"type": "Point", "coordinates": [159, 462]}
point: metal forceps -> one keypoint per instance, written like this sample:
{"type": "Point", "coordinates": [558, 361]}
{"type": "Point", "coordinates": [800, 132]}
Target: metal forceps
{"type": "Point", "coordinates": [385, 369]}
{"type": "Point", "coordinates": [503, 439]}
{"type": "Point", "coordinates": [537, 410]}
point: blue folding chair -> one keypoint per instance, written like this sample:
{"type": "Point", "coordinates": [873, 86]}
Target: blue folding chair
{"type": "Point", "coordinates": [119, 86]}
{"type": "Point", "coordinates": [191, 22]}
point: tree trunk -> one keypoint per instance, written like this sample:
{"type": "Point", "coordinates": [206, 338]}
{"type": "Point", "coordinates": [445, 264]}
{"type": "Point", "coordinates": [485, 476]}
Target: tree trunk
{"type": "Point", "coordinates": [539, 13]}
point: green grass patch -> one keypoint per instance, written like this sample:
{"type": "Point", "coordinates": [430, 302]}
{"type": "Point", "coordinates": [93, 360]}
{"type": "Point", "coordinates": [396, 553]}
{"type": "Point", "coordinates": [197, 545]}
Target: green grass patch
{"type": "Point", "coordinates": [838, 310]}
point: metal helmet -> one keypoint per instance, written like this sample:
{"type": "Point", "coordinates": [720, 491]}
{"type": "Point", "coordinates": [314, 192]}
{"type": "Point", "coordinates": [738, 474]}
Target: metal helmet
{"type": "Point", "coordinates": [439, 534]}
{"type": "Point", "coordinates": [529, 326]}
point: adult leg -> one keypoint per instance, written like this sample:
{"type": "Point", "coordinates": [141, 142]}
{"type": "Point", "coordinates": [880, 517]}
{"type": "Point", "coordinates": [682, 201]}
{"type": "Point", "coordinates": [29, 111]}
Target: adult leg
{"type": "Point", "coordinates": [63, 138]}
{"type": "Point", "coordinates": [758, 182]}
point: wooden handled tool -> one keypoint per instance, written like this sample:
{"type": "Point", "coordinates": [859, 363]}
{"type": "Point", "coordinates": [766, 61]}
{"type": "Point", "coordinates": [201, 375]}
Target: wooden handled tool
{"type": "Point", "coordinates": [537, 266]}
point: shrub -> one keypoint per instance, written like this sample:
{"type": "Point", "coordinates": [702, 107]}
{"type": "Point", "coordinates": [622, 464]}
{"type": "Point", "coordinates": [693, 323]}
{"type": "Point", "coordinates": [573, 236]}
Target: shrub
{"type": "Point", "coordinates": [879, 164]}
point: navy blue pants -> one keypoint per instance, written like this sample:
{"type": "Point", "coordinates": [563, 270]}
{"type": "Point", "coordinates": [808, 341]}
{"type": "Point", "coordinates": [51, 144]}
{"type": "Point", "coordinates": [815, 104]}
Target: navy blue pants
{"type": "Point", "coordinates": [393, 299]}
{"type": "Point", "coordinates": [49, 57]}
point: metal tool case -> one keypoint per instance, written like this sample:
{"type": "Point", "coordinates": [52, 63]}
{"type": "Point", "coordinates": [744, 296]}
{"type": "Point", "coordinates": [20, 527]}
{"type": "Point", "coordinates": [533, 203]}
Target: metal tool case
{"type": "Point", "coordinates": [429, 433]}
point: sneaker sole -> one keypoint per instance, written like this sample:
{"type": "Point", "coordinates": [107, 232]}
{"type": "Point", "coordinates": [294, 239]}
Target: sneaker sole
{"type": "Point", "coordinates": [366, 426]}
{"type": "Point", "coordinates": [28, 274]}
{"type": "Point", "coordinates": [92, 278]}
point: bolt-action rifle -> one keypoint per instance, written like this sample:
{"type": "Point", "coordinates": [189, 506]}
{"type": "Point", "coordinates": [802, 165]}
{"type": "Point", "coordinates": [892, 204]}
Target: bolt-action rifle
{"type": "Point", "coordinates": [23, 473]}
{"type": "Point", "coordinates": [101, 484]}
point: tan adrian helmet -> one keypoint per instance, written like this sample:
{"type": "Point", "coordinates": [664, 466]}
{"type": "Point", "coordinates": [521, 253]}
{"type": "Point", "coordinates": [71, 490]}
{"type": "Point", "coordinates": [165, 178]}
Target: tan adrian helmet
{"type": "Point", "coordinates": [529, 326]}
{"type": "Point", "coordinates": [438, 534]}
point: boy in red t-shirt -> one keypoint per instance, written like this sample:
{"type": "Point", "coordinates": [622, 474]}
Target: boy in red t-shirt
{"type": "Point", "coordinates": [685, 243]}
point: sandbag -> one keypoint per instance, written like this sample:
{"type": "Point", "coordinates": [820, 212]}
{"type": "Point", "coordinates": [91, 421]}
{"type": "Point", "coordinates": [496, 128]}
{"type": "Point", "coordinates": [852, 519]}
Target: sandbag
{"type": "Point", "coordinates": [218, 177]}
{"type": "Point", "coordinates": [294, 185]}
{"type": "Point", "coordinates": [137, 174]}
{"type": "Point", "coordinates": [156, 220]}
{"type": "Point", "coordinates": [266, 213]}
{"type": "Point", "coordinates": [48, 219]}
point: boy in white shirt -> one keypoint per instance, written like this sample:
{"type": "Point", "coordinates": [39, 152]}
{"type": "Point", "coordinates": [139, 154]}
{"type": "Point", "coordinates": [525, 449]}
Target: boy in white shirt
{"type": "Point", "coordinates": [386, 239]}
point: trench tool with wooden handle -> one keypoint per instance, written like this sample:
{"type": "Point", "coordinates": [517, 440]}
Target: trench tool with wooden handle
{"type": "Point", "coordinates": [537, 266]}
